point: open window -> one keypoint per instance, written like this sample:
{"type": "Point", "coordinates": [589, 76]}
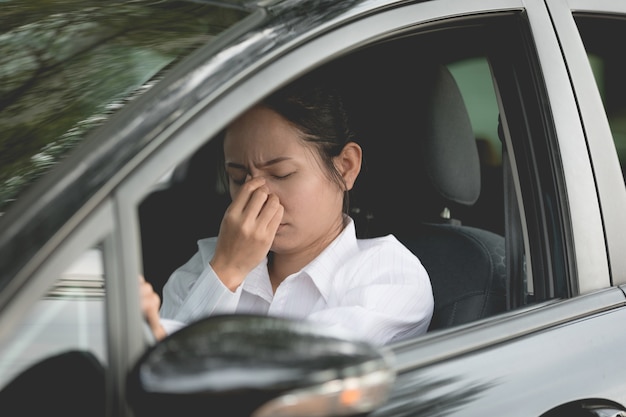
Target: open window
{"type": "Point", "coordinates": [440, 112]}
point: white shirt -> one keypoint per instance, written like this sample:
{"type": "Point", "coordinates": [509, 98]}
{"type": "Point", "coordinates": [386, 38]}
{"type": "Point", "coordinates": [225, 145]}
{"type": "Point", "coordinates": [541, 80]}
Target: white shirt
{"type": "Point", "coordinates": [372, 289]}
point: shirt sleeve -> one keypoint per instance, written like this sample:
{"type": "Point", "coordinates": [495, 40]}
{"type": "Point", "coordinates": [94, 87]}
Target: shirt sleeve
{"type": "Point", "coordinates": [170, 326]}
{"type": "Point", "coordinates": [194, 291]}
{"type": "Point", "coordinates": [387, 298]}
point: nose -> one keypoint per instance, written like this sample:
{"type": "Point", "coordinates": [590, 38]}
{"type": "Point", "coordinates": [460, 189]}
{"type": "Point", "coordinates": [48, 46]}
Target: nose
{"type": "Point", "coordinates": [267, 185]}
{"type": "Point", "coordinates": [250, 176]}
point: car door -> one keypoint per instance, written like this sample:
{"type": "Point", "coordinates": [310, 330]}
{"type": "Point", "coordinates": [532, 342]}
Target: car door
{"type": "Point", "coordinates": [554, 365]}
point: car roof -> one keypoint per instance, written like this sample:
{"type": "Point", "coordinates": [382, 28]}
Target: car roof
{"type": "Point", "coordinates": [95, 167]}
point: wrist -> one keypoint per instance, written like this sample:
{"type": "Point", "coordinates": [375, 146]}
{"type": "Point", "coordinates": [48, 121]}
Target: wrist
{"type": "Point", "coordinates": [231, 277]}
{"type": "Point", "coordinates": [159, 331]}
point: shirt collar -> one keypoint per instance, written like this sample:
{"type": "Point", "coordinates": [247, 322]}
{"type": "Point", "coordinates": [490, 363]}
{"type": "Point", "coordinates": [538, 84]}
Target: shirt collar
{"type": "Point", "coordinates": [321, 270]}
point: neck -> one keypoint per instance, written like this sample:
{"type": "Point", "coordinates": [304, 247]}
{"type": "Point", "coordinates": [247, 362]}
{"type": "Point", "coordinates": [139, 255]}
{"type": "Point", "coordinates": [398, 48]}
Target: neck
{"type": "Point", "coordinates": [281, 265]}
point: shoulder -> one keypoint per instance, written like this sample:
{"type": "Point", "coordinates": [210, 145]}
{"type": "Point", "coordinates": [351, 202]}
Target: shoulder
{"type": "Point", "coordinates": [196, 264]}
{"type": "Point", "coordinates": [385, 246]}
{"type": "Point", "coordinates": [388, 256]}
{"type": "Point", "coordinates": [183, 278]}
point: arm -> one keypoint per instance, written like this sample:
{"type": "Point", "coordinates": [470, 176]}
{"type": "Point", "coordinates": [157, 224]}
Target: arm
{"type": "Point", "coordinates": [194, 290]}
{"type": "Point", "coordinates": [210, 282]}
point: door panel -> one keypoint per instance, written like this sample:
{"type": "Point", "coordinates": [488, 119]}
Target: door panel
{"type": "Point", "coordinates": [526, 373]}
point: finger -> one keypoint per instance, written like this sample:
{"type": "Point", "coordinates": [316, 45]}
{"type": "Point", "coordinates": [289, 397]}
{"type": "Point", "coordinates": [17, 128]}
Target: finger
{"type": "Point", "coordinates": [276, 219]}
{"type": "Point", "coordinates": [148, 296]}
{"type": "Point", "coordinates": [145, 287]}
{"type": "Point", "coordinates": [247, 190]}
{"type": "Point", "coordinates": [257, 201]}
{"type": "Point", "coordinates": [269, 210]}
{"type": "Point", "coordinates": [150, 304]}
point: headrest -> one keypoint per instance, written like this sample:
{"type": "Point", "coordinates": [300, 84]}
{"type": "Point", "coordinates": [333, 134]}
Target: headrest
{"type": "Point", "coordinates": [449, 149]}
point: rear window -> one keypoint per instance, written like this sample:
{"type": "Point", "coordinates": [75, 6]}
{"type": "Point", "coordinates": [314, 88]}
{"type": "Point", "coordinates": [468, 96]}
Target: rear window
{"type": "Point", "coordinates": [67, 65]}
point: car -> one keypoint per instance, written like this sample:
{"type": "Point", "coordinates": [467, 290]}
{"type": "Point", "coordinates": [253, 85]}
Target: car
{"type": "Point", "coordinates": [494, 142]}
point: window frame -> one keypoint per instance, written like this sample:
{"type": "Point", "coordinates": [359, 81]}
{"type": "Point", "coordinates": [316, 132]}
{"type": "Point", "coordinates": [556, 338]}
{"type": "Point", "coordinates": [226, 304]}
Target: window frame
{"type": "Point", "coordinates": [178, 145]}
{"type": "Point", "coordinates": [588, 247]}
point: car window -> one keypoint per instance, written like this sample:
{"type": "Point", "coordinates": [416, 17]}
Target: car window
{"type": "Point", "coordinates": [70, 317]}
{"type": "Point", "coordinates": [598, 33]}
{"type": "Point", "coordinates": [388, 87]}
{"type": "Point", "coordinates": [66, 67]}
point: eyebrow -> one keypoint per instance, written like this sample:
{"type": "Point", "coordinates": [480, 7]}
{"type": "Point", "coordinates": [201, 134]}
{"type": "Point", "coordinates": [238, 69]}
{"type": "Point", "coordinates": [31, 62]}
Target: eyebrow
{"type": "Point", "coordinates": [261, 165]}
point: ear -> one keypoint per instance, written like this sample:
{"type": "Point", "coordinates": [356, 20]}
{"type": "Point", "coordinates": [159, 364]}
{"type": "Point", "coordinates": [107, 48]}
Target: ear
{"type": "Point", "coordinates": [348, 163]}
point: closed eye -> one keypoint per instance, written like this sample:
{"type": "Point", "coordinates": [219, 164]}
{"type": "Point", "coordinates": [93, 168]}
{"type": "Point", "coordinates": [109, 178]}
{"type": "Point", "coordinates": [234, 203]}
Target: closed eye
{"type": "Point", "coordinates": [282, 177]}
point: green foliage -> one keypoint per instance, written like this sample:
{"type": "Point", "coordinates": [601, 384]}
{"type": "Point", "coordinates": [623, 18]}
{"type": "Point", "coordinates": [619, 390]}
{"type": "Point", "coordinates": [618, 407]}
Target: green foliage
{"type": "Point", "coordinates": [66, 66]}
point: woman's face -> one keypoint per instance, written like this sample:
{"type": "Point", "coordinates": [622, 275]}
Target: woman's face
{"type": "Point", "coordinates": [261, 143]}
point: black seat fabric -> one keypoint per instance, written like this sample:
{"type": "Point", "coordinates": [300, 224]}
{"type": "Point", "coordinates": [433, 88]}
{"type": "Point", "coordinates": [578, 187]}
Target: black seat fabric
{"type": "Point", "coordinates": [466, 267]}
{"type": "Point", "coordinates": [421, 159]}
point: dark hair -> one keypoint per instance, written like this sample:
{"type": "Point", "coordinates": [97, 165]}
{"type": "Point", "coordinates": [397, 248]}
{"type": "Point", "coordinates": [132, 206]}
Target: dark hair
{"type": "Point", "coordinates": [315, 107]}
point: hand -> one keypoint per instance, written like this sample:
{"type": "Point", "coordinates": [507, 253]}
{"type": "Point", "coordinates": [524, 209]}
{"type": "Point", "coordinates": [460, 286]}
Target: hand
{"type": "Point", "coordinates": [150, 305]}
{"type": "Point", "coordinates": [246, 233]}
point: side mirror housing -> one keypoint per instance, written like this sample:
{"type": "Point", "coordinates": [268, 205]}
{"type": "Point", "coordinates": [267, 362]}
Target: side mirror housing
{"type": "Point", "coordinates": [246, 365]}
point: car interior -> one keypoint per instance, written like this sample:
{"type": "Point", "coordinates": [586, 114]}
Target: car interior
{"type": "Point", "coordinates": [424, 179]}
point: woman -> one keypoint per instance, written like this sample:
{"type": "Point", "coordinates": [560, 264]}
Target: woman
{"type": "Point", "coordinates": [286, 246]}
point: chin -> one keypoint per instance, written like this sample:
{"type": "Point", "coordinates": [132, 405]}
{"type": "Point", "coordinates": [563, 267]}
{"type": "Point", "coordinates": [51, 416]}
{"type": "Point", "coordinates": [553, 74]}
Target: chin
{"type": "Point", "coordinates": [279, 245]}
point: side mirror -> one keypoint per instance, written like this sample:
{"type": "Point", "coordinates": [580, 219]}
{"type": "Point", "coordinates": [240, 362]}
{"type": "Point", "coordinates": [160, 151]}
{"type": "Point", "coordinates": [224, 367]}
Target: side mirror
{"type": "Point", "coordinates": [246, 365]}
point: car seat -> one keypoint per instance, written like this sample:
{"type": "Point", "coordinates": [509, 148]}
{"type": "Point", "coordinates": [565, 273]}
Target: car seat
{"type": "Point", "coordinates": [421, 167]}
{"type": "Point", "coordinates": [466, 264]}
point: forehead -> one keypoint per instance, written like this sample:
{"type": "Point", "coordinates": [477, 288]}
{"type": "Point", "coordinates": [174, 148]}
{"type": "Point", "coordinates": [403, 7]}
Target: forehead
{"type": "Point", "coordinates": [260, 133]}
